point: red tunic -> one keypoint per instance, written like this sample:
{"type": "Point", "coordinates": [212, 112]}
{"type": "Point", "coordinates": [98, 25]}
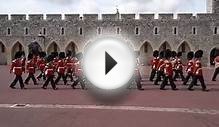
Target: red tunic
{"type": "Point", "coordinates": [41, 63]}
{"type": "Point", "coordinates": [189, 67]}
{"type": "Point", "coordinates": [168, 68]}
{"type": "Point", "coordinates": [78, 70]}
{"type": "Point", "coordinates": [17, 67]}
{"type": "Point", "coordinates": [179, 65]}
{"type": "Point", "coordinates": [154, 63]}
{"type": "Point", "coordinates": [160, 65]}
{"type": "Point", "coordinates": [31, 66]}
{"type": "Point", "coordinates": [49, 69]}
{"type": "Point", "coordinates": [61, 67]}
{"type": "Point", "coordinates": [197, 68]}
{"type": "Point", "coordinates": [55, 62]}
{"type": "Point", "coordinates": [69, 63]}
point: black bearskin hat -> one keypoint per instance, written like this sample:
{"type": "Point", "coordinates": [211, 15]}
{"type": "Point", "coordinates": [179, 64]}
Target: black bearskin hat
{"type": "Point", "coordinates": [173, 54]}
{"type": "Point", "coordinates": [199, 54]}
{"type": "Point", "coordinates": [17, 55]}
{"type": "Point", "coordinates": [69, 53]}
{"type": "Point", "coordinates": [190, 55]}
{"type": "Point", "coordinates": [155, 53]}
{"type": "Point", "coordinates": [167, 54]}
{"type": "Point", "coordinates": [42, 54]}
{"type": "Point", "coordinates": [62, 55]}
{"type": "Point", "coordinates": [179, 54]}
{"type": "Point", "coordinates": [161, 55]}
{"type": "Point", "coordinates": [30, 56]}
{"type": "Point", "coordinates": [49, 58]}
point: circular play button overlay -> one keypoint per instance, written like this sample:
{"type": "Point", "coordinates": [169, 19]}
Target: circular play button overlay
{"type": "Point", "coordinates": [109, 63]}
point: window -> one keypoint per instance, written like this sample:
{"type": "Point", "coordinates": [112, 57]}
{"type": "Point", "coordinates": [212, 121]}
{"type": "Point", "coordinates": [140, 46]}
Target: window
{"type": "Point", "coordinates": [80, 31]}
{"type": "Point", "coordinates": [62, 31]}
{"type": "Point", "coordinates": [137, 31]}
{"type": "Point", "coordinates": [156, 31]}
{"type": "Point", "coordinates": [55, 47]}
{"type": "Point", "coordinates": [44, 31]}
{"type": "Point", "coordinates": [2, 48]}
{"type": "Point", "coordinates": [117, 30]}
{"type": "Point", "coordinates": [175, 32]}
{"type": "Point", "coordinates": [194, 30]}
{"type": "Point", "coordinates": [8, 31]}
{"type": "Point", "coordinates": [26, 31]}
{"type": "Point", "coordinates": [183, 47]}
{"type": "Point", "coordinates": [146, 47]}
{"type": "Point", "coordinates": [99, 30]}
{"type": "Point", "coordinates": [215, 30]}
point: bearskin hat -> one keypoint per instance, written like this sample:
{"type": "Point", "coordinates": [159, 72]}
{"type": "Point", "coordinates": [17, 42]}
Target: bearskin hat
{"type": "Point", "coordinates": [217, 52]}
{"type": "Point", "coordinates": [155, 53]}
{"type": "Point", "coordinates": [199, 54]}
{"type": "Point", "coordinates": [161, 55]}
{"type": "Point", "coordinates": [167, 54]}
{"type": "Point", "coordinates": [190, 55]}
{"type": "Point", "coordinates": [42, 54]}
{"type": "Point", "coordinates": [30, 56]}
{"type": "Point", "coordinates": [69, 53]}
{"type": "Point", "coordinates": [49, 58]}
{"type": "Point", "coordinates": [17, 55]}
{"type": "Point", "coordinates": [173, 54]}
{"type": "Point", "coordinates": [62, 55]}
{"type": "Point", "coordinates": [179, 54]}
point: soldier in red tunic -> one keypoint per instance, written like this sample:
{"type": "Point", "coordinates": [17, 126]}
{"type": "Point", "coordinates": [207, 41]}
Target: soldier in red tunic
{"type": "Point", "coordinates": [179, 67]}
{"type": "Point", "coordinates": [160, 68]}
{"type": "Point", "coordinates": [41, 64]}
{"type": "Point", "coordinates": [189, 67]}
{"type": "Point", "coordinates": [168, 72]}
{"type": "Point", "coordinates": [17, 69]}
{"type": "Point", "coordinates": [216, 62]}
{"type": "Point", "coordinates": [23, 60]}
{"type": "Point", "coordinates": [49, 72]}
{"type": "Point", "coordinates": [69, 63]}
{"type": "Point", "coordinates": [61, 68]}
{"type": "Point", "coordinates": [80, 76]}
{"type": "Point", "coordinates": [30, 67]}
{"type": "Point", "coordinates": [55, 58]}
{"type": "Point", "coordinates": [154, 64]}
{"type": "Point", "coordinates": [197, 72]}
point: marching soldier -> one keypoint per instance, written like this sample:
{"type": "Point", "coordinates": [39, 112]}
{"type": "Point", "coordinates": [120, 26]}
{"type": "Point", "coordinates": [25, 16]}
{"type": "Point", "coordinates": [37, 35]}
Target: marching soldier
{"type": "Point", "coordinates": [30, 67]}
{"type": "Point", "coordinates": [17, 69]}
{"type": "Point", "coordinates": [179, 67]}
{"type": "Point", "coordinates": [41, 64]}
{"type": "Point", "coordinates": [197, 72]}
{"type": "Point", "coordinates": [80, 77]}
{"type": "Point", "coordinates": [49, 72]}
{"type": "Point", "coordinates": [61, 68]}
{"type": "Point", "coordinates": [216, 61]}
{"type": "Point", "coordinates": [168, 72]}
{"type": "Point", "coordinates": [154, 64]}
{"type": "Point", "coordinates": [189, 67]}
{"type": "Point", "coordinates": [69, 63]}
{"type": "Point", "coordinates": [160, 68]}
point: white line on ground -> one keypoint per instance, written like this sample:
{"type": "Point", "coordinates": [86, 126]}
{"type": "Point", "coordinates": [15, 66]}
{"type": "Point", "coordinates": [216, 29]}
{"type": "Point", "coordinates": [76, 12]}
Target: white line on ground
{"type": "Point", "coordinates": [126, 108]}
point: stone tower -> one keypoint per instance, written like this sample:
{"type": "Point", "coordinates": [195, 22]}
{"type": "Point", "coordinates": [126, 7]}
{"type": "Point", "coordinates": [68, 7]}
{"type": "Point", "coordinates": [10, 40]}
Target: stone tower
{"type": "Point", "coordinates": [213, 6]}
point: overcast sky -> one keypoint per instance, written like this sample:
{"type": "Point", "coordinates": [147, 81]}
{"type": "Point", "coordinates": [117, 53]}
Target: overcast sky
{"type": "Point", "coordinates": [101, 6]}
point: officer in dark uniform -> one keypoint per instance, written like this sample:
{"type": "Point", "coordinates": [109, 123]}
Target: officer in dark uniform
{"type": "Point", "coordinates": [198, 72]}
{"type": "Point", "coordinates": [168, 72]}
{"type": "Point", "coordinates": [154, 64]}
{"type": "Point", "coordinates": [189, 67]}
{"type": "Point", "coordinates": [31, 68]}
{"type": "Point", "coordinates": [17, 69]}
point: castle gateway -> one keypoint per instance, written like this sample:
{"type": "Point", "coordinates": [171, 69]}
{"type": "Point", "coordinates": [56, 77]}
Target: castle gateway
{"type": "Point", "coordinates": [56, 33]}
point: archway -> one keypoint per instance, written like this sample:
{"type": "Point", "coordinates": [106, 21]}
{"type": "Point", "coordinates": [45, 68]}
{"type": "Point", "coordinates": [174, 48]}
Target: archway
{"type": "Point", "coordinates": [3, 54]}
{"type": "Point", "coordinates": [146, 52]}
{"type": "Point", "coordinates": [34, 48]}
{"type": "Point", "coordinates": [17, 47]}
{"type": "Point", "coordinates": [184, 48]}
{"type": "Point", "coordinates": [71, 47]}
{"type": "Point", "coordinates": [165, 46]}
{"type": "Point", "coordinates": [213, 55]}
{"type": "Point", "coordinates": [53, 47]}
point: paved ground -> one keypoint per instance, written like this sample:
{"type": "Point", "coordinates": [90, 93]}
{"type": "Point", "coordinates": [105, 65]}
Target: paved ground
{"type": "Point", "coordinates": [35, 107]}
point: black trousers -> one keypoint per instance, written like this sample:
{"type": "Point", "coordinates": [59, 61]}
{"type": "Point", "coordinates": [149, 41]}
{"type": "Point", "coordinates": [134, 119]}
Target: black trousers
{"type": "Point", "coordinates": [195, 80]}
{"type": "Point", "coordinates": [69, 75]}
{"type": "Point", "coordinates": [179, 73]}
{"type": "Point", "coordinates": [216, 72]}
{"type": "Point", "coordinates": [17, 78]}
{"type": "Point", "coordinates": [189, 75]}
{"type": "Point", "coordinates": [50, 80]}
{"type": "Point", "coordinates": [79, 80]}
{"type": "Point", "coordinates": [153, 73]}
{"type": "Point", "coordinates": [41, 75]}
{"type": "Point", "coordinates": [59, 77]}
{"type": "Point", "coordinates": [160, 75]}
{"type": "Point", "coordinates": [31, 76]}
{"type": "Point", "coordinates": [165, 82]}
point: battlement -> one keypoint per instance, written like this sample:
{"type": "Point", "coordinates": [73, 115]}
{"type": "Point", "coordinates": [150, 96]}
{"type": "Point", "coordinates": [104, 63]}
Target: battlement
{"type": "Point", "coordinates": [54, 17]}
{"type": "Point", "coordinates": [127, 16]}
{"type": "Point", "coordinates": [165, 16]}
{"type": "Point", "coordinates": [106, 17]}
{"type": "Point", "coordinates": [90, 17]}
{"type": "Point", "coordinates": [72, 17]}
{"type": "Point", "coordinates": [3, 18]}
{"type": "Point", "coordinates": [146, 16]}
{"type": "Point", "coordinates": [18, 17]}
{"type": "Point", "coordinates": [33, 17]}
{"type": "Point", "coordinates": [184, 16]}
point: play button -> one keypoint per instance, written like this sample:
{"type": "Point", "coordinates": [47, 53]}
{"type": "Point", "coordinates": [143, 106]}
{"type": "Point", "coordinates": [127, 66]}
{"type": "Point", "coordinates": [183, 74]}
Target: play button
{"type": "Point", "coordinates": [108, 63]}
